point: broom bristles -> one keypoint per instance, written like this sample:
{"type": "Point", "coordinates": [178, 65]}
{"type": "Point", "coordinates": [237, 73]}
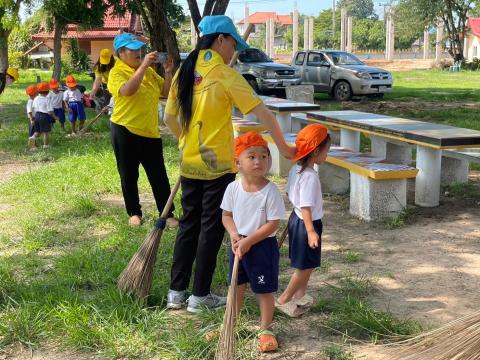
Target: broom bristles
{"type": "Point", "coordinates": [226, 343]}
{"type": "Point", "coordinates": [459, 339]}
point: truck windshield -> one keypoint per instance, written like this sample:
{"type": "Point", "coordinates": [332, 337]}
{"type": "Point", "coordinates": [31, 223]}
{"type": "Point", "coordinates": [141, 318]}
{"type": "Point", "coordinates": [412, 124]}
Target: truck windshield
{"type": "Point", "coordinates": [253, 55]}
{"type": "Point", "coordinates": [343, 58]}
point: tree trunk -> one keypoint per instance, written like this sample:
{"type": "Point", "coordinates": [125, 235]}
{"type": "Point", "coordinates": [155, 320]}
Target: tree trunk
{"type": "Point", "coordinates": [212, 7]}
{"type": "Point", "coordinates": [3, 57]}
{"type": "Point", "coordinates": [57, 50]}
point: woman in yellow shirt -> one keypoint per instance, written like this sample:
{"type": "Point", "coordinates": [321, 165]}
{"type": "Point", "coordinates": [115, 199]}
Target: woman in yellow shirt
{"type": "Point", "coordinates": [136, 89]}
{"type": "Point", "coordinates": [104, 64]}
{"type": "Point", "coordinates": [205, 90]}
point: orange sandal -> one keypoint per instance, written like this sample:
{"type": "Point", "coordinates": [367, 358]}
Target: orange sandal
{"type": "Point", "coordinates": [267, 341]}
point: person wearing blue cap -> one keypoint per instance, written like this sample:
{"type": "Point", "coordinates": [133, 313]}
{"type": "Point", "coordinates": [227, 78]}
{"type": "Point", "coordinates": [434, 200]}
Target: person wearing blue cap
{"type": "Point", "coordinates": [203, 93]}
{"type": "Point", "coordinates": [136, 89]}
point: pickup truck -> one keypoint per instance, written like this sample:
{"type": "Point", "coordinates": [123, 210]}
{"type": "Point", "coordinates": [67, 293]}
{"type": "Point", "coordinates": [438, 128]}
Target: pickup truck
{"type": "Point", "coordinates": [263, 74]}
{"type": "Point", "coordinates": [341, 74]}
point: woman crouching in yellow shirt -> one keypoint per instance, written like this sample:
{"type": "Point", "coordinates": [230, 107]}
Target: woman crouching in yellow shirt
{"type": "Point", "coordinates": [205, 90]}
{"type": "Point", "coordinates": [136, 89]}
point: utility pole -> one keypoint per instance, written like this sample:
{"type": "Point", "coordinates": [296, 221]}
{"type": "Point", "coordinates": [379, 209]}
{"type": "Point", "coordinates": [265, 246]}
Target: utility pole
{"type": "Point", "coordinates": [333, 24]}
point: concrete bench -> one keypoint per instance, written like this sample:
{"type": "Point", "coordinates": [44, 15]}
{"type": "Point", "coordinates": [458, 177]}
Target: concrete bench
{"type": "Point", "coordinates": [456, 164]}
{"type": "Point", "coordinates": [378, 189]}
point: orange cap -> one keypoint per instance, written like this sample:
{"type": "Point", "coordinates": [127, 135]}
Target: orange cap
{"type": "Point", "coordinates": [308, 139]}
{"type": "Point", "coordinates": [249, 139]}
{"type": "Point", "coordinates": [54, 84]}
{"type": "Point", "coordinates": [43, 87]}
{"type": "Point", "coordinates": [31, 90]}
{"type": "Point", "coordinates": [70, 81]}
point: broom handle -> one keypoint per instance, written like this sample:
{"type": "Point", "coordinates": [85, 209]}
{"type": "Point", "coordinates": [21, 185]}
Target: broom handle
{"type": "Point", "coordinates": [245, 36]}
{"type": "Point", "coordinates": [169, 203]}
{"type": "Point", "coordinates": [283, 236]}
{"type": "Point", "coordinates": [86, 127]}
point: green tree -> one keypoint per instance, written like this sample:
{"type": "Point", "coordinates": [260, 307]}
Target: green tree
{"type": "Point", "coordinates": [323, 30]}
{"type": "Point", "coordinates": [368, 34]}
{"type": "Point", "coordinates": [359, 9]}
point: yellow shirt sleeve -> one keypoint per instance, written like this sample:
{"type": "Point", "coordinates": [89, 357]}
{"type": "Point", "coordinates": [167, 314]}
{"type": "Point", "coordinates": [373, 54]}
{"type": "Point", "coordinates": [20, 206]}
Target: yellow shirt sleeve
{"type": "Point", "coordinates": [242, 94]}
{"type": "Point", "coordinates": [172, 104]}
{"type": "Point", "coordinates": [116, 80]}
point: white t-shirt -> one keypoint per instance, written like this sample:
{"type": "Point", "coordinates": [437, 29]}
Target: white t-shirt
{"type": "Point", "coordinates": [30, 107]}
{"type": "Point", "coordinates": [41, 104]}
{"type": "Point", "coordinates": [305, 190]}
{"type": "Point", "coordinates": [251, 210]}
{"type": "Point", "coordinates": [72, 95]}
{"type": "Point", "coordinates": [56, 100]}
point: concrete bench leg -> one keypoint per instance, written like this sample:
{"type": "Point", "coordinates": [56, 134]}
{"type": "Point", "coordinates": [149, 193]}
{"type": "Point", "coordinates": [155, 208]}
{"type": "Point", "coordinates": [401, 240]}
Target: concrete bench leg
{"type": "Point", "coordinates": [397, 154]}
{"type": "Point", "coordinates": [427, 182]}
{"type": "Point", "coordinates": [280, 165]}
{"type": "Point", "coordinates": [454, 171]}
{"type": "Point", "coordinates": [334, 136]}
{"type": "Point", "coordinates": [334, 179]}
{"type": "Point", "coordinates": [376, 199]}
{"type": "Point", "coordinates": [285, 122]}
{"type": "Point", "coordinates": [350, 139]}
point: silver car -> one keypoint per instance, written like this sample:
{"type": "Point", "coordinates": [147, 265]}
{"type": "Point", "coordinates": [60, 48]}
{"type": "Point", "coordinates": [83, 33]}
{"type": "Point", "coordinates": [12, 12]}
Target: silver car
{"type": "Point", "coordinates": [341, 74]}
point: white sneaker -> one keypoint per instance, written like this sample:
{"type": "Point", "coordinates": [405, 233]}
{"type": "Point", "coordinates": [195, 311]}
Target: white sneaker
{"type": "Point", "coordinates": [176, 299]}
{"type": "Point", "coordinates": [197, 304]}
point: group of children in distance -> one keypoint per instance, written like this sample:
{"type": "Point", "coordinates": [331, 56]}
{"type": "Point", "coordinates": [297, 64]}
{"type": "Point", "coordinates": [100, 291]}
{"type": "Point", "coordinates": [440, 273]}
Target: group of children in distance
{"type": "Point", "coordinates": [47, 103]}
{"type": "Point", "coordinates": [252, 208]}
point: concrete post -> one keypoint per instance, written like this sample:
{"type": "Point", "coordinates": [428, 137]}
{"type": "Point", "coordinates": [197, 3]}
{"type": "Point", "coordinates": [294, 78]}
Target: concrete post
{"type": "Point", "coordinates": [193, 34]}
{"type": "Point", "coordinates": [349, 45]}
{"type": "Point", "coordinates": [426, 43]}
{"type": "Point", "coordinates": [295, 29]}
{"type": "Point", "coordinates": [272, 38]}
{"type": "Point", "coordinates": [439, 40]}
{"type": "Point", "coordinates": [246, 20]}
{"type": "Point", "coordinates": [391, 41]}
{"type": "Point", "coordinates": [465, 47]}
{"type": "Point", "coordinates": [343, 29]}
{"type": "Point", "coordinates": [306, 29]}
{"type": "Point", "coordinates": [267, 37]}
{"type": "Point", "coordinates": [310, 34]}
{"type": "Point", "coordinates": [427, 182]}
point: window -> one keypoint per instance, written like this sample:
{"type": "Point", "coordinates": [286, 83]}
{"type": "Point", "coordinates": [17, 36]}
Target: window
{"type": "Point", "coordinates": [300, 58]}
{"type": "Point", "coordinates": [475, 52]}
{"type": "Point", "coordinates": [316, 59]}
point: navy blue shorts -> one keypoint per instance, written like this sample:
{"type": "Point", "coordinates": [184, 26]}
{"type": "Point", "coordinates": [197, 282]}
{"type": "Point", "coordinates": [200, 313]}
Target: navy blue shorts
{"type": "Point", "coordinates": [301, 255]}
{"type": "Point", "coordinates": [259, 267]}
{"type": "Point", "coordinates": [31, 128]}
{"type": "Point", "coordinates": [43, 122]}
{"type": "Point", "coordinates": [60, 113]}
{"type": "Point", "coordinates": [76, 111]}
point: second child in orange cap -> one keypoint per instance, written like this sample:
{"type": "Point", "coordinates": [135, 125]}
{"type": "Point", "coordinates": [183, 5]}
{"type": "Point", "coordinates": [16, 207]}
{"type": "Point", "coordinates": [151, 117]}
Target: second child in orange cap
{"type": "Point", "coordinates": [31, 91]}
{"type": "Point", "coordinates": [72, 98]}
{"type": "Point", "coordinates": [252, 209]}
{"type": "Point", "coordinates": [55, 96]}
{"type": "Point", "coordinates": [305, 224]}
{"type": "Point", "coordinates": [44, 116]}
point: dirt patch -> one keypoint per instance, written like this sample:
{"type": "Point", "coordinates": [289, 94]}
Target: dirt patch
{"type": "Point", "coordinates": [10, 167]}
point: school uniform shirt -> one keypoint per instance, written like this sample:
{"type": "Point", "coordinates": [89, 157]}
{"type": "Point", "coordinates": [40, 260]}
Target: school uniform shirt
{"type": "Point", "coordinates": [206, 148]}
{"type": "Point", "coordinates": [30, 108]}
{"type": "Point", "coordinates": [72, 95]}
{"type": "Point", "coordinates": [56, 99]}
{"type": "Point", "coordinates": [41, 104]}
{"type": "Point", "coordinates": [138, 112]}
{"type": "Point", "coordinates": [305, 190]}
{"type": "Point", "coordinates": [251, 210]}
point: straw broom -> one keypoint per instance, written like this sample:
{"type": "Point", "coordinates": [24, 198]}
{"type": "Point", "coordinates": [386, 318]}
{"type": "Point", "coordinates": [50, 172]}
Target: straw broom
{"type": "Point", "coordinates": [93, 121]}
{"type": "Point", "coordinates": [136, 278]}
{"type": "Point", "coordinates": [284, 233]}
{"type": "Point", "coordinates": [226, 343]}
{"type": "Point", "coordinates": [457, 340]}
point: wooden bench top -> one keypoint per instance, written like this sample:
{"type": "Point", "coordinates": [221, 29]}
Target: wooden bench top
{"type": "Point", "coordinates": [360, 163]}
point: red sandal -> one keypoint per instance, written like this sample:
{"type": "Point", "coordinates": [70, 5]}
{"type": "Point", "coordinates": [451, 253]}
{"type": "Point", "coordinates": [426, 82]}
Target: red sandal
{"type": "Point", "coordinates": [267, 341]}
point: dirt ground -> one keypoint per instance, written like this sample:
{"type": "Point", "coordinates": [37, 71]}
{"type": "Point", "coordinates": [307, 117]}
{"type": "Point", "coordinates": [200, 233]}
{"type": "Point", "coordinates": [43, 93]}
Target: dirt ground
{"type": "Point", "coordinates": [427, 270]}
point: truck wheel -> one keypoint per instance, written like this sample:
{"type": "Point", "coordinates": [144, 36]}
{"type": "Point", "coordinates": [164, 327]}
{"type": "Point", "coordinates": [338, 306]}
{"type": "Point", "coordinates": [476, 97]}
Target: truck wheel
{"type": "Point", "coordinates": [253, 83]}
{"type": "Point", "coordinates": [342, 91]}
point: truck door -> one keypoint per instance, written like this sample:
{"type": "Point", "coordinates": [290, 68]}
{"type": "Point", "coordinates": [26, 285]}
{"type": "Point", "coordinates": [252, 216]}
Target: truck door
{"type": "Point", "coordinates": [317, 71]}
{"type": "Point", "coordinates": [298, 65]}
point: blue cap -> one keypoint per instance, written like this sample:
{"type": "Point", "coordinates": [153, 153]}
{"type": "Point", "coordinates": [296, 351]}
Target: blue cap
{"type": "Point", "coordinates": [127, 40]}
{"type": "Point", "coordinates": [221, 24]}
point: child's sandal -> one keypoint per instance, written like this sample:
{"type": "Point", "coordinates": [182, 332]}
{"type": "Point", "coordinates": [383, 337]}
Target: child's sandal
{"type": "Point", "coordinates": [305, 301]}
{"type": "Point", "coordinates": [289, 308]}
{"type": "Point", "coordinates": [267, 341]}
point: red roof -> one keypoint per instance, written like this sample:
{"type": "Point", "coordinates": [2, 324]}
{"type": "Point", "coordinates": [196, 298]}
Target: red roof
{"type": "Point", "coordinates": [111, 26]}
{"type": "Point", "coordinates": [262, 17]}
{"type": "Point", "coordinates": [474, 26]}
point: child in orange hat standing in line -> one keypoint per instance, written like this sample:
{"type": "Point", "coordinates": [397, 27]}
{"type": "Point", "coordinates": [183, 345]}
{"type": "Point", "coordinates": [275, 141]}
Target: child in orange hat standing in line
{"type": "Point", "coordinates": [55, 96]}
{"type": "Point", "coordinates": [43, 116]}
{"type": "Point", "coordinates": [73, 102]}
{"type": "Point", "coordinates": [31, 91]}
{"type": "Point", "coordinates": [305, 225]}
{"type": "Point", "coordinates": [252, 208]}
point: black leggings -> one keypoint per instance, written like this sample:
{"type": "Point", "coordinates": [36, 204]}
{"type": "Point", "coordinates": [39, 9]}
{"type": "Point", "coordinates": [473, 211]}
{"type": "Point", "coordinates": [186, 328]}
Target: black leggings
{"type": "Point", "coordinates": [200, 234]}
{"type": "Point", "coordinates": [132, 150]}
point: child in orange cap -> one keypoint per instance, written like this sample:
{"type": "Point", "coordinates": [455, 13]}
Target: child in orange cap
{"type": "Point", "coordinates": [31, 91]}
{"type": "Point", "coordinates": [43, 116]}
{"type": "Point", "coordinates": [305, 224]}
{"type": "Point", "coordinates": [55, 96]}
{"type": "Point", "coordinates": [74, 104]}
{"type": "Point", "coordinates": [252, 208]}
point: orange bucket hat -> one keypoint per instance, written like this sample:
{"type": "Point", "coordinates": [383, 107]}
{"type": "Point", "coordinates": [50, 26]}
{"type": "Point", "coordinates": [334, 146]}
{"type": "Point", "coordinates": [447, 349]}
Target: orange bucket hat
{"type": "Point", "coordinates": [54, 84]}
{"type": "Point", "coordinates": [247, 140]}
{"type": "Point", "coordinates": [308, 139]}
{"type": "Point", "coordinates": [43, 87]}
{"type": "Point", "coordinates": [70, 81]}
{"type": "Point", "coordinates": [31, 90]}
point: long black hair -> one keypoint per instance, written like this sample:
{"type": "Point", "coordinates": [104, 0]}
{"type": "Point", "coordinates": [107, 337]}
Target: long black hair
{"type": "Point", "coordinates": [103, 68]}
{"type": "Point", "coordinates": [186, 78]}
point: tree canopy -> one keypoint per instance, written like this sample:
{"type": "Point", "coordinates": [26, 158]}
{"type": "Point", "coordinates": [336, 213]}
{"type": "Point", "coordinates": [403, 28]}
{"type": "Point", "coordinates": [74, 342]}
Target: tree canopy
{"type": "Point", "coordinates": [359, 9]}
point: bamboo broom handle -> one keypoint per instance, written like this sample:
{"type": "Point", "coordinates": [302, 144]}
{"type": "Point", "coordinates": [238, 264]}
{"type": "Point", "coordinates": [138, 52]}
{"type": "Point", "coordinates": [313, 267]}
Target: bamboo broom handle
{"type": "Point", "coordinates": [169, 203]}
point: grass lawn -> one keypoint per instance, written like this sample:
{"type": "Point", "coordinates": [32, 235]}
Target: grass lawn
{"type": "Point", "coordinates": [63, 244]}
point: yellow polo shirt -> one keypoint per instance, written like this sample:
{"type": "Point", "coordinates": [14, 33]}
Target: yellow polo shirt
{"type": "Point", "coordinates": [103, 75]}
{"type": "Point", "coordinates": [206, 148]}
{"type": "Point", "coordinates": [139, 112]}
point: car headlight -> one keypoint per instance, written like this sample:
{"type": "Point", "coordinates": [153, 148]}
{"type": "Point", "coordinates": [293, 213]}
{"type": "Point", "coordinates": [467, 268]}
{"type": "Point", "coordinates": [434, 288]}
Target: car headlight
{"type": "Point", "coordinates": [363, 75]}
{"type": "Point", "coordinates": [268, 74]}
